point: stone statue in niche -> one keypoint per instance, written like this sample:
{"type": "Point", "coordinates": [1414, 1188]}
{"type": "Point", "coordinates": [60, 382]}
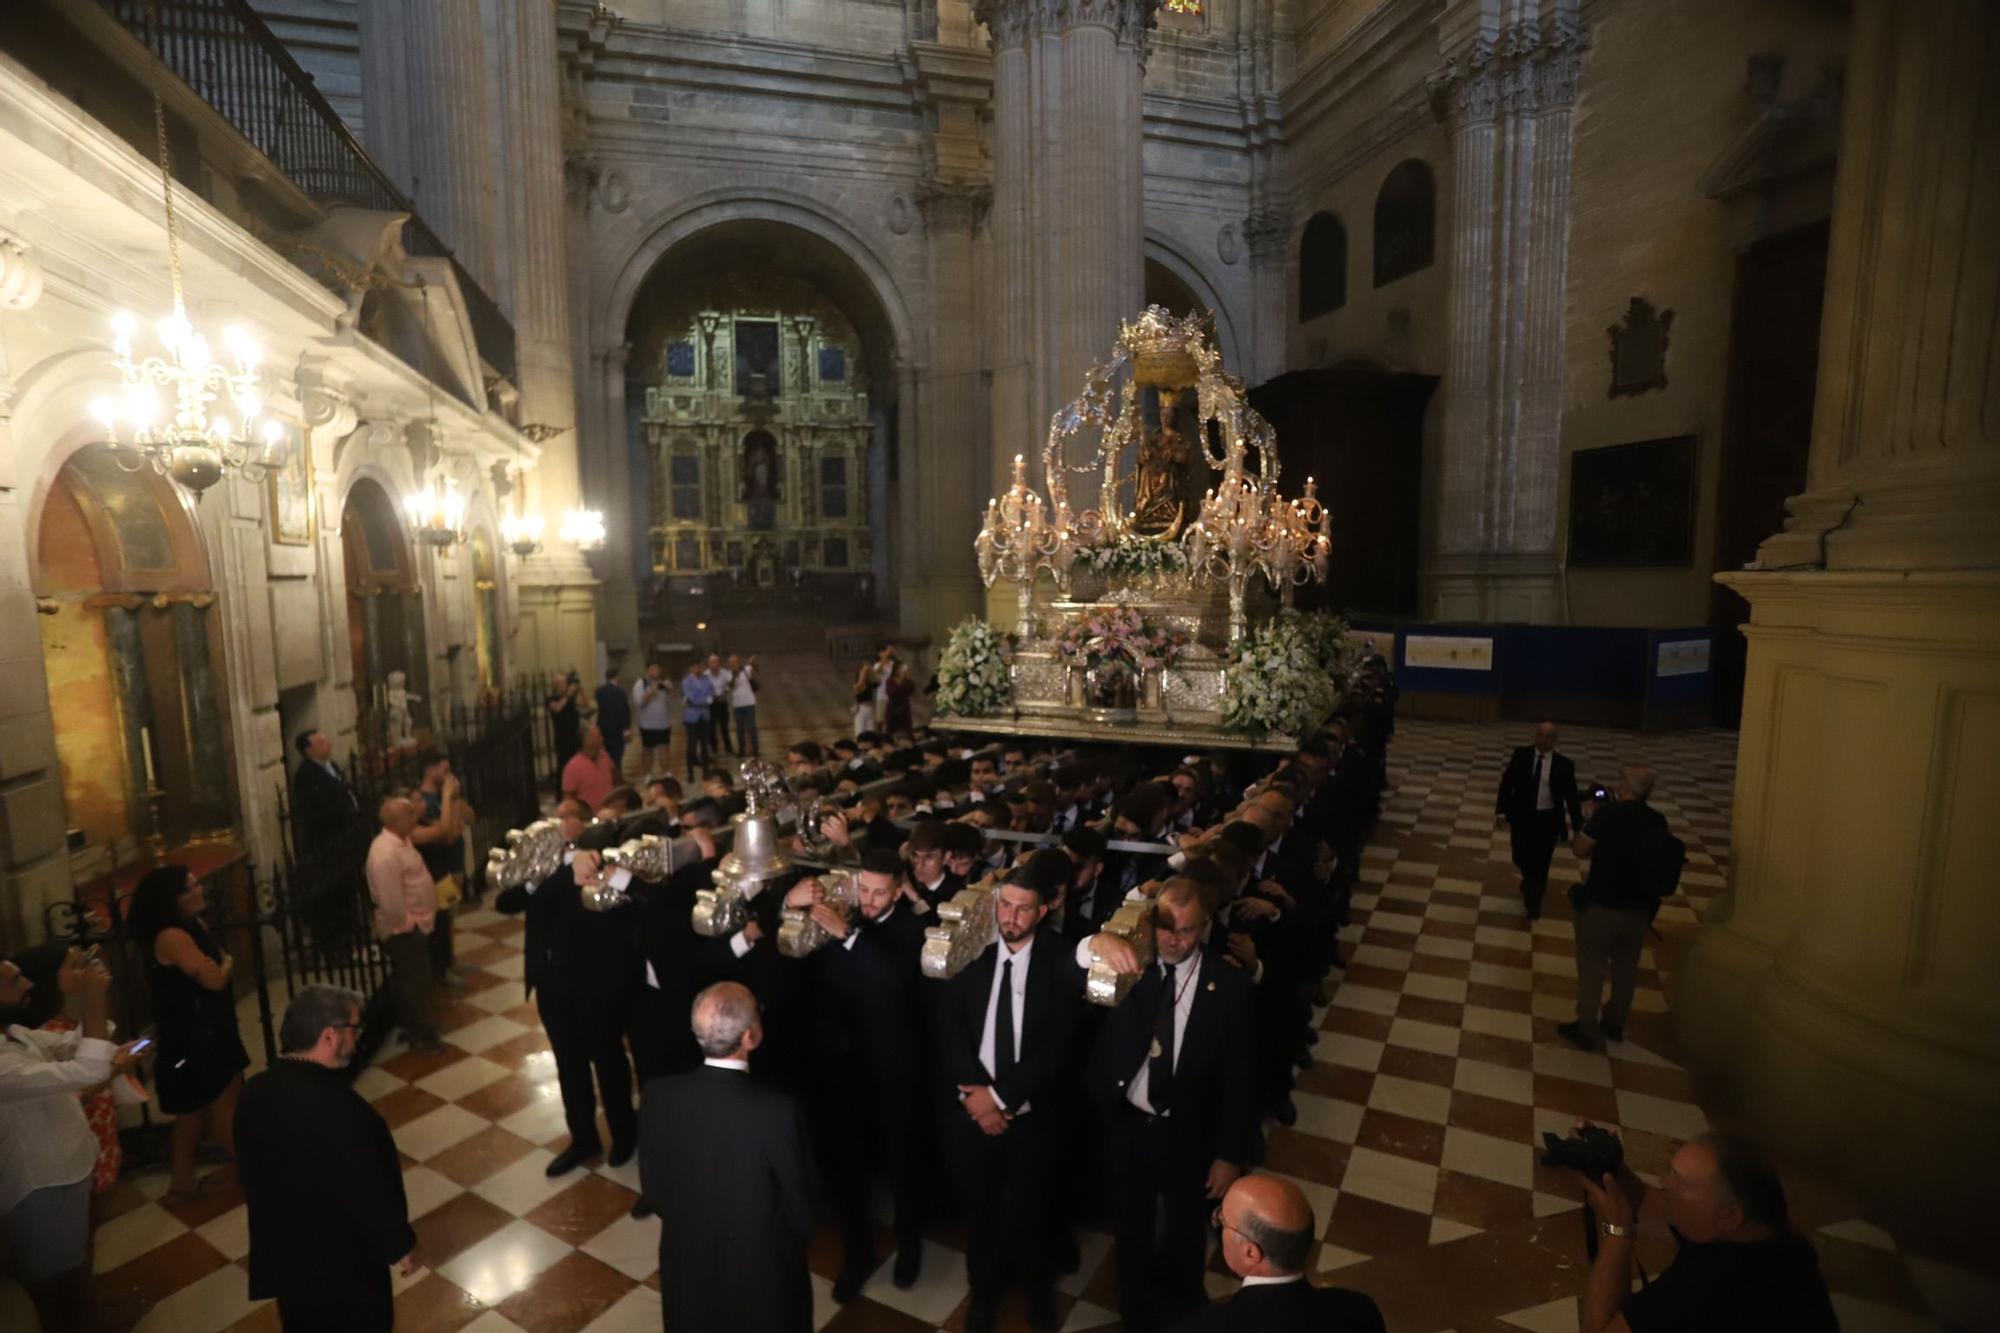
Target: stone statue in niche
{"type": "Point", "coordinates": [402, 736]}
{"type": "Point", "coordinates": [760, 480]}
{"type": "Point", "coordinates": [1639, 348]}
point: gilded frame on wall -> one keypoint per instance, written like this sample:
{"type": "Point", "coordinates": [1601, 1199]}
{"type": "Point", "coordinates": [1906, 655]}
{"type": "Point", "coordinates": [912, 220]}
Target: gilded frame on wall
{"type": "Point", "coordinates": [289, 492]}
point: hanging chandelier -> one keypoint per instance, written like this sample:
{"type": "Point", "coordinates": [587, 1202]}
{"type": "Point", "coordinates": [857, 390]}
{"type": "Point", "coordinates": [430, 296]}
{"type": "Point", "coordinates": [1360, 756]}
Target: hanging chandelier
{"type": "Point", "coordinates": [522, 533]}
{"type": "Point", "coordinates": [584, 529]}
{"type": "Point", "coordinates": [437, 513]}
{"type": "Point", "coordinates": [163, 414]}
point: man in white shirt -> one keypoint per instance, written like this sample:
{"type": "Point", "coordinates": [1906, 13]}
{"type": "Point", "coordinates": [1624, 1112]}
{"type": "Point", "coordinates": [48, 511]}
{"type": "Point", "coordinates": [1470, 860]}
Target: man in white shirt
{"type": "Point", "coordinates": [720, 679]}
{"type": "Point", "coordinates": [1005, 1026]}
{"type": "Point", "coordinates": [743, 702]}
{"type": "Point", "coordinates": [47, 1149]}
{"type": "Point", "coordinates": [653, 707]}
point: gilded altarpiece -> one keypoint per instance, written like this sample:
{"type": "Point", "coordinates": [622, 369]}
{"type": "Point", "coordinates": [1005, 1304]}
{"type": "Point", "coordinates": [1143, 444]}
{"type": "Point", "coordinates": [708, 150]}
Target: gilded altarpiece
{"type": "Point", "coordinates": [757, 429]}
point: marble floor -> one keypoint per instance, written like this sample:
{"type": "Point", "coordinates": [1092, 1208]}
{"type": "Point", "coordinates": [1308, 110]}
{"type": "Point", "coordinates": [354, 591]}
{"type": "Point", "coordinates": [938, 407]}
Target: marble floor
{"type": "Point", "coordinates": [1437, 1066]}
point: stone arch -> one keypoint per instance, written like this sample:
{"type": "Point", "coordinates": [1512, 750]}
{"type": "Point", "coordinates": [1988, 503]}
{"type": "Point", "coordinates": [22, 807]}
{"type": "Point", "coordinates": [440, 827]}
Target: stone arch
{"type": "Point", "coordinates": [1175, 261]}
{"type": "Point", "coordinates": [717, 207]}
{"type": "Point", "coordinates": [1405, 239]}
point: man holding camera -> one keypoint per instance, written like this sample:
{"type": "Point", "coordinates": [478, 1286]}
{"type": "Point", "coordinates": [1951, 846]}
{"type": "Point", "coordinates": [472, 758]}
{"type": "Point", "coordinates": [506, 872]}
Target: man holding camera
{"type": "Point", "coordinates": [1739, 1266]}
{"type": "Point", "coordinates": [1634, 862]}
{"type": "Point", "coordinates": [1537, 795]}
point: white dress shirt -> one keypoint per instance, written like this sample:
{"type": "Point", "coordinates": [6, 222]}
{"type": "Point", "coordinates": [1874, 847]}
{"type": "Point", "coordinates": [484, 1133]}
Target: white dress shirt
{"type": "Point", "coordinates": [1273, 1279]}
{"type": "Point", "coordinates": [44, 1138]}
{"type": "Point", "coordinates": [1187, 980]}
{"type": "Point", "coordinates": [1543, 763]}
{"type": "Point", "coordinates": [1020, 958]}
{"type": "Point", "coordinates": [740, 1066]}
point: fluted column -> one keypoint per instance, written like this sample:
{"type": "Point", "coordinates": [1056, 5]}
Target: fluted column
{"type": "Point", "coordinates": [450, 152]}
{"type": "Point", "coordinates": [558, 590]}
{"type": "Point", "coordinates": [935, 556]}
{"type": "Point", "coordinates": [1851, 994]}
{"type": "Point", "coordinates": [1011, 312]}
{"type": "Point", "coordinates": [1267, 236]}
{"type": "Point", "coordinates": [1508, 103]}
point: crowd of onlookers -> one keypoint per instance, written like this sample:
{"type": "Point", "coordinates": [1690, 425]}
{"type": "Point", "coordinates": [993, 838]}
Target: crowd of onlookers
{"type": "Point", "coordinates": [714, 706]}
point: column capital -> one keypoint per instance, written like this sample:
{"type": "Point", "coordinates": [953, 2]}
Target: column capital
{"type": "Point", "coordinates": [953, 206]}
{"type": "Point", "coordinates": [1528, 68]}
{"type": "Point", "coordinates": [20, 273]}
{"type": "Point", "coordinates": [1008, 22]}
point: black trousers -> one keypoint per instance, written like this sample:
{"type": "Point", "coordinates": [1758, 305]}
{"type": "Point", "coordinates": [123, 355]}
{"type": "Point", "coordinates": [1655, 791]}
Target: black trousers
{"type": "Point", "coordinates": [662, 1042]}
{"type": "Point", "coordinates": [1534, 842]}
{"type": "Point", "coordinates": [718, 725]}
{"type": "Point", "coordinates": [1161, 1208]}
{"type": "Point", "coordinates": [864, 1138]}
{"type": "Point", "coordinates": [1006, 1183]}
{"type": "Point", "coordinates": [587, 1033]}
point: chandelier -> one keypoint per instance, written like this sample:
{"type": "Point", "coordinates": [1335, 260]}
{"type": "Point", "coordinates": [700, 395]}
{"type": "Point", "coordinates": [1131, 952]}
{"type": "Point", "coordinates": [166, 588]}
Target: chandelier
{"type": "Point", "coordinates": [522, 533]}
{"type": "Point", "coordinates": [162, 415]}
{"type": "Point", "coordinates": [437, 513]}
{"type": "Point", "coordinates": [584, 529]}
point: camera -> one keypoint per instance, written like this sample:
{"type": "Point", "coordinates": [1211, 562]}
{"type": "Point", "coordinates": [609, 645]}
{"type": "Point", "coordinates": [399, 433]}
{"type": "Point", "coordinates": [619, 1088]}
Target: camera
{"type": "Point", "coordinates": [1600, 794]}
{"type": "Point", "coordinates": [1594, 1151]}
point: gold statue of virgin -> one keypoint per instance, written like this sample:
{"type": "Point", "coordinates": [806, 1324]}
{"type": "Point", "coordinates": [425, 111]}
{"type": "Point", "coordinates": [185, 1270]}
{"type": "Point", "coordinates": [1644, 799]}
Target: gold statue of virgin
{"type": "Point", "coordinates": [1157, 505]}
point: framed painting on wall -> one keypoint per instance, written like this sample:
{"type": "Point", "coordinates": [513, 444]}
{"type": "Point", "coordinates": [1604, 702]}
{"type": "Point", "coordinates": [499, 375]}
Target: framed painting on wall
{"type": "Point", "coordinates": [1633, 504]}
{"type": "Point", "coordinates": [291, 495]}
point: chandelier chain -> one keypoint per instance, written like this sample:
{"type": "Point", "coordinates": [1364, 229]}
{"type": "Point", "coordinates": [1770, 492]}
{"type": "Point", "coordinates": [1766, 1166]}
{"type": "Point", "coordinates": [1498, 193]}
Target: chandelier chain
{"type": "Point", "coordinates": [166, 171]}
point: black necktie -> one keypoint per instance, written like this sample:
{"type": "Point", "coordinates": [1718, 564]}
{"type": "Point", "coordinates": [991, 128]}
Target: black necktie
{"type": "Point", "coordinates": [1160, 1081]}
{"type": "Point", "coordinates": [1003, 1024]}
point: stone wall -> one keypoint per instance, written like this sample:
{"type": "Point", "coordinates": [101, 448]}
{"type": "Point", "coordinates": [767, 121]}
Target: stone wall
{"type": "Point", "coordinates": [1648, 131]}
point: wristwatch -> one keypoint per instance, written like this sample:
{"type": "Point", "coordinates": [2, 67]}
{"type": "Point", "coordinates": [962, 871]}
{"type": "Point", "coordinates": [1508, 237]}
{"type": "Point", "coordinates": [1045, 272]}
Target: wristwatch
{"type": "Point", "coordinates": [1613, 1229]}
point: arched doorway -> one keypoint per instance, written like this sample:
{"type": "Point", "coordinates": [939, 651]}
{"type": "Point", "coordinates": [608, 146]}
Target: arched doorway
{"type": "Point", "coordinates": [131, 640]}
{"type": "Point", "coordinates": [385, 613]}
{"type": "Point", "coordinates": [764, 431]}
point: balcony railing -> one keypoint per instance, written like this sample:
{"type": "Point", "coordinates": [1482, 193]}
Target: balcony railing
{"type": "Point", "coordinates": [224, 52]}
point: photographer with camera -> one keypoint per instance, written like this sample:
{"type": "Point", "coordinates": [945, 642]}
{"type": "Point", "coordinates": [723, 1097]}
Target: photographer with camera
{"type": "Point", "coordinates": [1634, 863]}
{"type": "Point", "coordinates": [1739, 1265]}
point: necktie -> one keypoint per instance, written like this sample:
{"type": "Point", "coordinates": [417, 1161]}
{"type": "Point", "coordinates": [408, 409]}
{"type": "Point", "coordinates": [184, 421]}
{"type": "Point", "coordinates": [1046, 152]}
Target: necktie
{"type": "Point", "coordinates": [1003, 1023]}
{"type": "Point", "coordinates": [1160, 1079]}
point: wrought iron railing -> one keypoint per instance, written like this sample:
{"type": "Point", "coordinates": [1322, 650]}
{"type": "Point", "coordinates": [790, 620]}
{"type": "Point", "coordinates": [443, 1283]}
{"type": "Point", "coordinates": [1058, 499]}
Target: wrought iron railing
{"type": "Point", "coordinates": [227, 55]}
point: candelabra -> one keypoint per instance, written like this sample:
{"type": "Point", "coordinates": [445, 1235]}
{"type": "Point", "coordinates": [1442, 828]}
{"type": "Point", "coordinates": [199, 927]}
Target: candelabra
{"type": "Point", "coordinates": [1303, 539]}
{"type": "Point", "coordinates": [522, 533]}
{"type": "Point", "coordinates": [1015, 540]}
{"type": "Point", "coordinates": [1231, 539]}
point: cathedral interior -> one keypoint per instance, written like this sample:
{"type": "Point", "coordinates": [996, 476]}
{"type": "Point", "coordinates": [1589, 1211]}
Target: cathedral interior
{"type": "Point", "coordinates": [1630, 364]}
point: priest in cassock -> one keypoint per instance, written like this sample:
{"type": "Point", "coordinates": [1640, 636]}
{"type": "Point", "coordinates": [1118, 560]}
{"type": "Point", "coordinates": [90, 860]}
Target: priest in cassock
{"type": "Point", "coordinates": [730, 1154]}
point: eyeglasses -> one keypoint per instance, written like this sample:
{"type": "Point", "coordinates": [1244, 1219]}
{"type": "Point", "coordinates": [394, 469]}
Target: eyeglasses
{"type": "Point", "coordinates": [1219, 1223]}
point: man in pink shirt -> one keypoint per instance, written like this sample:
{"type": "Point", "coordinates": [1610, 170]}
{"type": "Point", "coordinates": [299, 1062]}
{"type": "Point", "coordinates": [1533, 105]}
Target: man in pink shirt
{"type": "Point", "coordinates": [588, 775]}
{"type": "Point", "coordinates": [405, 899]}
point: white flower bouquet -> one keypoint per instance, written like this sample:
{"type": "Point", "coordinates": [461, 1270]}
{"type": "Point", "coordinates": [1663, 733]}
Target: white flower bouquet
{"type": "Point", "coordinates": [972, 676]}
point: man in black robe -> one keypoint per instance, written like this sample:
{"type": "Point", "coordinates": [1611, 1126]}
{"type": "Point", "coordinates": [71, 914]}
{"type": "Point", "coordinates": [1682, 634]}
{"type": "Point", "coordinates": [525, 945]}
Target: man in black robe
{"type": "Point", "coordinates": [730, 1152]}
{"type": "Point", "coordinates": [321, 1178]}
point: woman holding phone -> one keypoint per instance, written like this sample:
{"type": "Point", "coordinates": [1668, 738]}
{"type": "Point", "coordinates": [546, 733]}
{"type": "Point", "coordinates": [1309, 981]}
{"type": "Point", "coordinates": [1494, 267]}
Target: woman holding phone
{"type": "Point", "coordinates": [199, 1063]}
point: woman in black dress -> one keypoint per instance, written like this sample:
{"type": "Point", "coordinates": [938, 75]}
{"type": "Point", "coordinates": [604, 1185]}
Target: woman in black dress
{"type": "Point", "coordinates": [199, 1063]}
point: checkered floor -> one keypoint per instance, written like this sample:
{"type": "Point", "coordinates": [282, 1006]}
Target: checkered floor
{"type": "Point", "coordinates": [1437, 1065]}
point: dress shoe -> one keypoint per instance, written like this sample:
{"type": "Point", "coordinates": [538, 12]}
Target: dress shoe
{"type": "Point", "coordinates": [620, 1153]}
{"type": "Point", "coordinates": [983, 1314]}
{"type": "Point", "coordinates": [1577, 1037]}
{"type": "Point", "coordinates": [572, 1157]}
{"type": "Point", "coordinates": [848, 1285]}
{"type": "Point", "coordinates": [641, 1210]}
{"type": "Point", "coordinates": [1614, 1031]}
{"type": "Point", "coordinates": [909, 1264]}
{"type": "Point", "coordinates": [1041, 1304]}
{"type": "Point", "coordinates": [1287, 1113]}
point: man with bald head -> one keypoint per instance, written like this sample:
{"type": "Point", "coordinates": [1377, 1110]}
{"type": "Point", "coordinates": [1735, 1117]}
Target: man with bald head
{"type": "Point", "coordinates": [723, 1157]}
{"type": "Point", "coordinates": [405, 899]}
{"type": "Point", "coordinates": [1539, 806]}
{"type": "Point", "coordinates": [1267, 1230]}
{"type": "Point", "coordinates": [1172, 1075]}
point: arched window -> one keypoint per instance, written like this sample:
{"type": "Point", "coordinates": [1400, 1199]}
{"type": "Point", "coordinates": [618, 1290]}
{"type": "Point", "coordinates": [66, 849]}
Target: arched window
{"type": "Point", "coordinates": [1322, 267]}
{"type": "Point", "coordinates": [1405, 222]}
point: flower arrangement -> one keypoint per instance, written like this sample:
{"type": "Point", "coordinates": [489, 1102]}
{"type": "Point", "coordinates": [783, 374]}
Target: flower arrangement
{"type": "Point", "coordinates": [1131, 554]}
{"type": "Point", "coordinates": [1326, 632]}
{"type": "Point", "coordinates": [1280, 679]}
{"type": "Point", "coordinates": [1121, 636]}
{"type": "Point", "coordinates": [972, 676]}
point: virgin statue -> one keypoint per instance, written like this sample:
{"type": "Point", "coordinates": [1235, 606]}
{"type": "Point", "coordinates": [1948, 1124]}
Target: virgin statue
{"type": "Point", "coordinates": [1157, 506]}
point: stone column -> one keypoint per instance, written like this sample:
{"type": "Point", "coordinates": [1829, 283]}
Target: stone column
{"type": "Point", "coordinates": [435, 68]}
{"type": "Point", "coordinates": [618, 608]}
{"type": "Point", "coordinates": [1267, 236]}
{"type": "Point", "coordinates": [34, 864]}
{"type": "Point", "coordinates": [1011, 316]}
{"type": "Point", "coordinates": [935, 561]}
{"type": "Point", "coordinates": [1507, 100]}
{"type": "Point", "coordinates": [1851, 994]}
{"type": "Point", "coordinates": [558, 591]}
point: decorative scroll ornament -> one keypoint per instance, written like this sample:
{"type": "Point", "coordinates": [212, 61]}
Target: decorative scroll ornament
{"type": "Point", "coordinates": [1133, 923]}
{"type": "Point", "coordinates": [526, 855]}
{"type": "Point", "coordinates": [966, 926]}
{"type": "Point", "coordinates": [756, 856]}
{"type": "Point", "coordinates": [799, 934]}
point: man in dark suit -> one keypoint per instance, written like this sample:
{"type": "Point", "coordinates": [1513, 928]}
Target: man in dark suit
{"type": "Point", "coordinates": [614, 719]}
{"type": "Point", "coordinates": [581, 962]}
{"type": "Point", "coordinates": [730, 1153]}
{"type": "Point", "coordinates": [1004, 1029]}
{"type": "Point", "coordinates": [1267, 1229]}
{"type": "Point", "coordinates": [1537, 795]}
{"type": "Point", "coordinates": [1172, 1075]}
{"type": "Point", "coordinates": [323, 804]}
{"type": "Point", "coordinates": [865, 1011]}
{"type": "Point", "coordinates": [321, 1178]}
